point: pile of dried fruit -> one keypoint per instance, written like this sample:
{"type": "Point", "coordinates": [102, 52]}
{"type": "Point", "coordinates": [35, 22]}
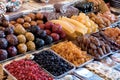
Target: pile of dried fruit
{"type": "Point", "coordinates": [113, 33]}
{"type": "Point", "coordinates": [97, 44]}
{"type": "Point", "coordinates": [71, 52]}
{"type": "Point", "coordinates": [27, 70]}
{"type": "Point", "coordinates": [52, 63]}
{"type": "Point", "coordinates": [93, 46]}
{"type": "Point", "coordinates": [103, 20]}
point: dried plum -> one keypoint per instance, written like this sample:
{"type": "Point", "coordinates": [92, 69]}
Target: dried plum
{"type": "Point", "coordinates": [3, 43]}
{"type": "Point", "coordinates": [12, 39]}
{"type": "Point", "coordinates": [48, 40]}
{"type": "Point", "coordinates": [3, 54]}
{"type": "Point", "coordinates": [39, 42]}
{"type": "Point", "coordinates": [9, 30]}
{"type": "Point", "coordinates": [52, 63]}
{"type": "Point", "coordinates": [41, 34]}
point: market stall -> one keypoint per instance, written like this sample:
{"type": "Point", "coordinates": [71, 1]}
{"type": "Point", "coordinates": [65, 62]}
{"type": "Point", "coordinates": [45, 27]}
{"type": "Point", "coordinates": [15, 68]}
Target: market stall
{"type": "Point", "coordinates": [59, 40]}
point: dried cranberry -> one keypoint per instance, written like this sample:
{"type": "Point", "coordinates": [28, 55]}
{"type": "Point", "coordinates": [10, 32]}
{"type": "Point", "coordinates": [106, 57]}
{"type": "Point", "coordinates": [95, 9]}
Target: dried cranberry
{"type": "Point", "coordinates": [27, 70]}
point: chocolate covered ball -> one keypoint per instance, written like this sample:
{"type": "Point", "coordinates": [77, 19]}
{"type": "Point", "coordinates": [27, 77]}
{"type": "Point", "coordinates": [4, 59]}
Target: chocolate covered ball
{"type": "Point", "coordinates": [29, 36]}
{"type": "Point", "coordinates": [21, 38]}
{"type": "Point", "coordinates": [19, 29]}
{"type": "Point", "coordinates": [30, 45]}
{"type": "Point", "coordinates": [22, 48]}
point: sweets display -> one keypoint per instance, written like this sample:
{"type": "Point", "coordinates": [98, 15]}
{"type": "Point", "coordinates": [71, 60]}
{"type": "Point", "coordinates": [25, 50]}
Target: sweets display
{"type": "Point", "coordinates": [83, 72]}
{"type": "Point", "coordinates": [99, 5]}
{"type": "Point", "coordinates": [93, 46]}
{"type": "Point", "coordinates": [27, 69]}
{"type": "Point", "coordinates": [103, 71]}
{"type": "Point", "coordinates": [77, 25]}
{"type": "Point", "coordinates": [113, 33]}
{"type": "Point", "coordinates": [109, 62]}
{"type": "Point", "coordinates": [116, 57]}
{"type": "Point", "coordinates": [84, 19]}
{"type": "Point", "coordinates": [85, 7]}
{"type": "Point", "coordinates": [74, 41]}
{"type": "Point", "coordinates": [52, 63]}
{"type": "Point", "coordinates": [71, 52]}
{"type": "Point", "coordinates": [28, 33]}
{"type": "Point", "coordinates": [103, 20]}
{"type": "Point", "coordinates": [112, 44]}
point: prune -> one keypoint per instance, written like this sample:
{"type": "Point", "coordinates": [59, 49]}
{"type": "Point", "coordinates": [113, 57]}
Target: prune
{"type": "Point", "coordinates": [12, 39]}
{"type": "Point", "coordinates": [12, 51]}
{"type": "Point", "coordinates": [39, 42]}
{"type": "Point", "coordinates": [3, 43]}
{"type": "Point", "coordinates": [9, 30]}
{"type": "Point", "coordinates": [48, 40]}
{"type": "Point", "coordinates": [52, 63]}
{"type": "Point", "coordinates": [34, 29]}
{"type": "Point", "coordinates": [2, 34]}
{"type": "Point", "coordinates": [41, 34]}
{"type": "Point", "coordinates": [3, 54]}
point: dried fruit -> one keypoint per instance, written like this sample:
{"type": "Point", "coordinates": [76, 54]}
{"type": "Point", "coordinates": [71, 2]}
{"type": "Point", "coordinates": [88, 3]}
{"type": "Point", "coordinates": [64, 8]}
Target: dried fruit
{"type": "Point", "coordinates": [27, 70]}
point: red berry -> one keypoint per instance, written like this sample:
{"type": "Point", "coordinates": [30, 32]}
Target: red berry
{"type": "Point", "coordinates": [57, 28]}
{"type": "Point", "coordinates": [55, 36]}
{"type": "Point", "coordinates": [48, 32]}
{"type": "Point", "coordinates": [48, 25]}
{"type": "Point", "coordinates": [27, 70]}
{"type": "Point", "coordinates": [42, 26]}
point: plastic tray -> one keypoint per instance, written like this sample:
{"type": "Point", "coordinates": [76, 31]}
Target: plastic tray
{"type": "Point", "coordinates": [23, 57]}
{"type": "Point", "coordinates": [57, 77]}
{"type": "Point", "coordinates": [115, 24]}
{"type": "Point", "coordinates": [104, 56]}
{"type": "Point", "coordinates": [81, 65]}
